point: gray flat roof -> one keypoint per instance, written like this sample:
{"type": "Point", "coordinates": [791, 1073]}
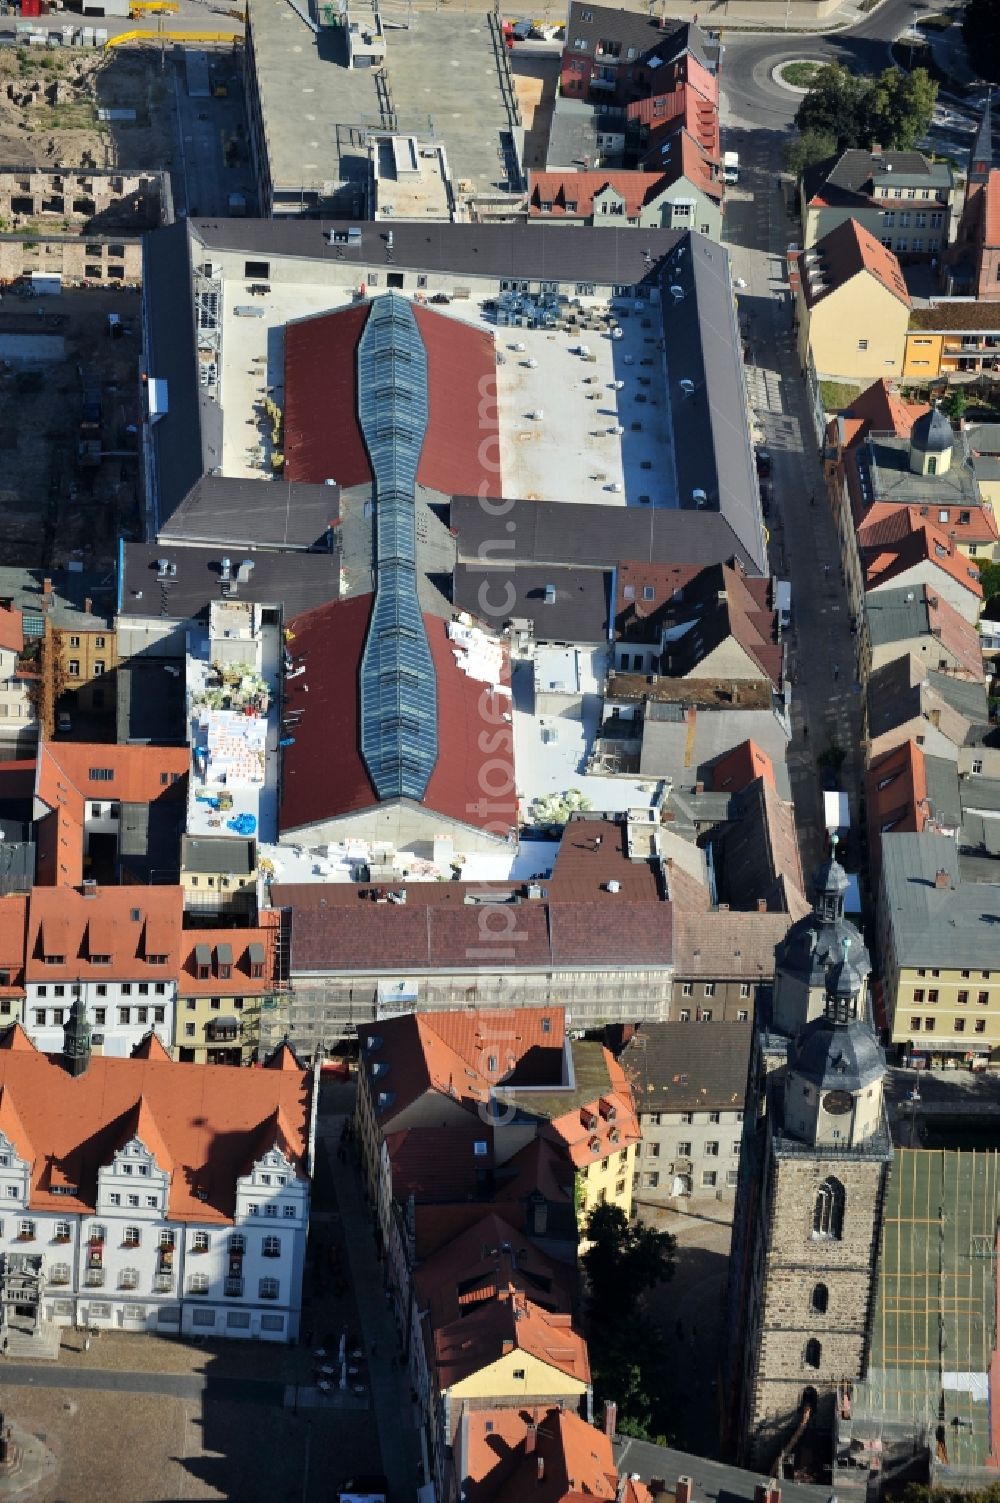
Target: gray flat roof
{"type": "Point", "coordinates": [71, 589]}
{"type": "Point", "coordinates": [895, 615]}
{"type": "Point", "coordinates": [573, 132]}
{"type": "Point", "coordinates": [218, 853]}
{"type": "Point", "coordinates": [309, 99]}
{"type": "Point", "coordinates": [714, 1481]}
{"type": "Point", "coordinates": [713, 454]}
{"type": "Point", "coordinates": [943, 790]}
{"type": "Point", "coordinates": [444, 74]}
{"type": "Point", "coordinates": [575, 534]}
{"type": "Point", "coordinates": [577, 613]}
{"type": "Point", "coordinates": [294, 581]}
{"type": "Point", "coordinates": [246, 513]}
{"type": "Point", "coordinates": [444, 82]}
{"type": "Point", "coordinates": [888, 458]}
{"type": "Point", "coordinates": [516, 249]}
{"type": "Point", "coordinates": [953, 926]}
{"type": "Point", "coordinates": [170, 351]}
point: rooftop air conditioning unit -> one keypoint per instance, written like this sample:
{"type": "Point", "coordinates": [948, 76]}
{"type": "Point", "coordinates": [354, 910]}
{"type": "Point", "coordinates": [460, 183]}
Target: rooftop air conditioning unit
{"type": "Point", "coordinates": [687, 387]}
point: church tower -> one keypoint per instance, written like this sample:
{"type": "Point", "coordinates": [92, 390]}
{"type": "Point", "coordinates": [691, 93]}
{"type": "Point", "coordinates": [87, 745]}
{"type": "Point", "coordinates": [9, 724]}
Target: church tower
{"type": "Point", "coordinates": [813, 1176]}
{"type": "Point", "coordinates": [76, 1038]}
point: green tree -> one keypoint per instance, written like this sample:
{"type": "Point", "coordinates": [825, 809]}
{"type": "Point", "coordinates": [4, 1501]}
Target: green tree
{"type": "Point", "coordinates": [989, 575]}
{"type": "Point", "coordinates": [893, 109]}
{"type": "Point", "coordinates": [981, 29]}
{"type": "Point", "coordinates": [900, 107]}
{"type": "Point", "coordinates": [625, 1361]}
{"type": "Point", "coordinates": [956, 402]}
{"type": "Point", "coordinates": [808, 147]}
{"type": "Point", "coordinates": [835, 105]}
{"type": "Point", "coordinates": [623, 1261]}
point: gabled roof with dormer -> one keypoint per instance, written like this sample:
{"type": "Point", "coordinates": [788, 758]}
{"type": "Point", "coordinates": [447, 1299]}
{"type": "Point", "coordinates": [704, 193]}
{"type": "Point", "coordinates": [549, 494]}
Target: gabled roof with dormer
{"type": "Point", "coordinates": [198, 1121]}
{"type": "Point", "coordinates": [12, 1126]}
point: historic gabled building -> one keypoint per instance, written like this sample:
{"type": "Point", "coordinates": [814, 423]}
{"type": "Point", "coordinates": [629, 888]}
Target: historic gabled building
{"type": "Point", "coordinates": [153, 1196]}
{"type": "Point", "coordinates": [813, 1176]}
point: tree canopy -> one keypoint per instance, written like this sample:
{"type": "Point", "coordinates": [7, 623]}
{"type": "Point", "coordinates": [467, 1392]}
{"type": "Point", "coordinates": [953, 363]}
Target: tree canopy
{"type": "Point", "coordinates": [981, 29]}
{"type": "Point", "coordinates": [892, 109]}
{"type": "Point", "coordinates": [622, 1263]}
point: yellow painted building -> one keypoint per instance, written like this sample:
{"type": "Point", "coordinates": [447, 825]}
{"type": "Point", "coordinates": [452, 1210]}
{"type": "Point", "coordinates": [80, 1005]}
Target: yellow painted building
{"type": "Point", "coordinates": [606, 1180]}
{"type": "Point", "coordinates": [852, 306]}
{"type": "Point", "coordinates": [955, 337]}
{"type": "Point", "coordinates": [940, 964]}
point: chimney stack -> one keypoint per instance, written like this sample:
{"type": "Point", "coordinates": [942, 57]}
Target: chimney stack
{"type": "Point", "coordinates": [761, 905]}
{"type": "Point", "coordinates": [683, 1490]}
{"type": "Point", "coordinates": [541, 1468]}
{"type": "Point", "coordinates": [942, 879]}
{"type": "Point", "coordinates": [530, 1438]}
{"type": "Point", "coordinates": [610, 1418]}
{"type": "Point", "coordinates": [87, 605]}
{"type": "Point", "coordinates": [46, 591]}
{"type": "Point", "coordinates": [767, 1492]}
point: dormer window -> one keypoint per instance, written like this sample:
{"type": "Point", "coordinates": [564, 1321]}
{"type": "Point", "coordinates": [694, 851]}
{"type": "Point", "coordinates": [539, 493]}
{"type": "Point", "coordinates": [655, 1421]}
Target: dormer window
{"type": "Point", "coordinates": [100, 959]}
{"type": "Point", "coordinates": [55, 960]}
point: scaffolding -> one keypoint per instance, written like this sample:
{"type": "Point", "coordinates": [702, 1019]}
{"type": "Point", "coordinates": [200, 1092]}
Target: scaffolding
{"type": "Point", "coordinates": [934, 1330]}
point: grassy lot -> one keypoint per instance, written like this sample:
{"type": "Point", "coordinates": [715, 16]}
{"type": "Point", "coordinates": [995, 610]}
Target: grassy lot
{"type": "Point", "coordinates": [838, 394]}
{"type": "Point", "coordinates": [799, 75]}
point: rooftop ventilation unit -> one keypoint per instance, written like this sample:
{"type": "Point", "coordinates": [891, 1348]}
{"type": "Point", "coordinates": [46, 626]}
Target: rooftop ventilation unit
{"type": "Point", "coordinates": [677, 293]}
{"type": "Point", "coordinates": [699, 497]}
{"type": "Point", "coordinates": [550, 594]}
{"type": "Point", "coordinates": [687, 387]}
{"type": "Point", "coordinates": [226, 568]}
{"type": "Point", "coordinates": [245, 570]}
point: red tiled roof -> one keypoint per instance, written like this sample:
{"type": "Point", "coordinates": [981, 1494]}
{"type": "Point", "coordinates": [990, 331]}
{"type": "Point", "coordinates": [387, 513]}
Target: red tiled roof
{"type": "Point", "coordinates": [737, 768]}
{"type": "Point", "coordinates": [151, 1046]}
{"type": "Point", "coordinates": [323, 774]}
{"type": "Point", "coordinates": [451, 1053]}
{"type": "Point", "coordinates": [593, 852]}
{"type": "Point", "coordinates": [203, 1115]}
{"type": "Point", "coordinates": [600, 1127]}
{"type": "Point", "coordinates": [846, 251]}
{"type": "Point", "coordinates": [323, 437]}
{"type": "Point", "coordinates": [567, 186]}
{"type": "Point", "coordinates": [238, 942]}
{"type": "Point", "coordinates": [64, 782]}
{"type": "Point", "coordinates": [895, 796]}
{"type": "Point", "coordinates": [146, 921]}
{"type": "Point", "coordinates": [345, 931]}
{"type": "Point", "coordinates": [881, 409]}
{"type": "Point", "coordinates": [488, 1257]}
{"type": "Point", "coordinates": [461, 450]}
{"type": "Point", "coordinates": [894, 539]}
{"type": "Point", "coordinates": [11, 629]}
{"type": "Point", "coordinates": [510, 1323]}
{"type": "Point", "coordinates": [682, 106]}
{"type": "Point", "coordinates": [991, 218]}
{"type": "Point", "coordinates": [13, 940]}
{"type": "Point", "coordinates": [578, 1459]}
{"type": "Point", "coordinates": [632, 607]}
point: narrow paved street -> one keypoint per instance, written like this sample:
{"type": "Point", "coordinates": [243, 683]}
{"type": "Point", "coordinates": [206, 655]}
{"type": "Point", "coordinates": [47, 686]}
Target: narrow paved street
{"type": "Point", "coordinates": [395, 1414]}
{"type": "Point", "coordinates": [826, 703]}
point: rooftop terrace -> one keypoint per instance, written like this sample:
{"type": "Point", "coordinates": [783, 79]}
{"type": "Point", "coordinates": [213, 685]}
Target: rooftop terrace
{"type": "Point", "coordinates": [604, 364]}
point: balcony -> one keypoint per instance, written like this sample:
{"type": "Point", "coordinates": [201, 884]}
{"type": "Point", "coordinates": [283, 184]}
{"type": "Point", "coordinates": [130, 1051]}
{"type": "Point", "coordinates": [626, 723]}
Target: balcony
{"type": "Point", "coordinates": [94, 1278]}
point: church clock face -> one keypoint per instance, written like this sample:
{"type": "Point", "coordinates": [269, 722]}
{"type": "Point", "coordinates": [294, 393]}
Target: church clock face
{"type": "Point", "coordinates": [837, 1103]}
